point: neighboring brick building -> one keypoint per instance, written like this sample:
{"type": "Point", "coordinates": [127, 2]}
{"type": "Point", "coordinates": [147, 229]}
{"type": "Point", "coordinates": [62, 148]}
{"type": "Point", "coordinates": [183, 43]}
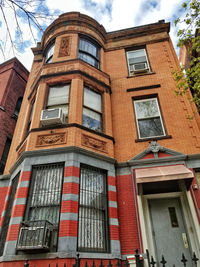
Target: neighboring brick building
{"type": "Point", "coordinates": [105, 160]}
{"type": "Point", "coordinates": [13, 79]}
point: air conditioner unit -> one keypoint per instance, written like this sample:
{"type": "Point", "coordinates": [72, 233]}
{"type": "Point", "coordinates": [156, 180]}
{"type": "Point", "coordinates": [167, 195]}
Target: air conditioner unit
{"type": "Point", "coordinates": [52, 116]}
{"type": "Point", "coordinates": [34, 235]}
{"type": "Point", "coordinates": [139, 67]}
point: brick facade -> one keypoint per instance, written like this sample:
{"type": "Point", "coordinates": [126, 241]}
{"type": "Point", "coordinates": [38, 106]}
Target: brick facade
{"type": "Point", "coordinates": [116, 150]}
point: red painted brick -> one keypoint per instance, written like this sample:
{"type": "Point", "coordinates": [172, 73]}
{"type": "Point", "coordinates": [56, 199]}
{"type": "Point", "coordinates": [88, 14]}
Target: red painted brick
{"type": "Point", "coordinates": [22, 192]}
{"type": "Point", "coordinates": [70, 188]}
{"type": "Point", "coordinates": [69, 206]}
{"type": "Point", "coordinates": [114, 232]}
{"type": "Point", "coordinates": [113, 213]}
{"type": "Point", "coordinates": [111, 180]}
{"type": "Point", "coordinates": [18, 210]}
{"type": "Point", "coordinates": [13, 232]}
{"type": "Point", "coordinates": [68, 228]}
{"type": "Point", "coordinates": [112, 196]}
{"type": "Point", "coordinates": [25, 176]}
{"type": "Point", "coordinates": [71, 171]}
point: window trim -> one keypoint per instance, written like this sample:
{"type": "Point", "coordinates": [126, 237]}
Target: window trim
{"type": "Point", "coordinates": [93, 110]}
{"type": "Point", "coordinates": [95, 44]}
{"type": "Point", "coordinates": [148, 69]}
{"type": "Point", "coordinates": [106, 221]}
{"type": "Point", "coordinates": [143, 99]}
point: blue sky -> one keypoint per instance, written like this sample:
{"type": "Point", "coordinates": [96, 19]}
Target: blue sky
{"type": "Point", "coordinates": [112, 14]}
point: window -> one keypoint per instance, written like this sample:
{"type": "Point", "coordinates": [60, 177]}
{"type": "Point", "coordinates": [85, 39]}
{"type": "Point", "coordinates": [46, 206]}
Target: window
{"type": "Point", "coordinates": [93, 215]}
{"type": "Point", "coordinates": [18, 106]}
{"type": "Point", "coordinates": [148, 118]}
{"type": "Point", "coordinates": [92, 110]}
{"type": "Point", "coordinates": [5, 154]}
{"type": "Point", "coordinates": [43, 206]}
{"type": "Point", "coordinates": [137, 61]}
{"type": "Point", "coordinates": [30, 116]}
{"type": "Point", "coordinates": [89, 52]}
{"type": "Point", "coordinates": [59, 98]}
{"type": "Point", "coordinates": [49, 53]}
{"type": "Point", "coordinates": [197, 174]}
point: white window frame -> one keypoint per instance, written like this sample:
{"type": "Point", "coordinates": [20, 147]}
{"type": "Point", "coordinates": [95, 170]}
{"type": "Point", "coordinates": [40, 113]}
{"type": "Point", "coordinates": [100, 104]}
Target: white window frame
{"type": "Point", "coordinates": [131, 72]}
{"type": "Point", "coordinates": [150, 117]}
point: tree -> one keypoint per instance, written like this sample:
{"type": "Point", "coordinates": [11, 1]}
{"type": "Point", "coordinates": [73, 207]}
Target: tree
{"type": "Point", "coordinates": [20, 18]}
{"type": "Point", "coordinates": [189, 78]}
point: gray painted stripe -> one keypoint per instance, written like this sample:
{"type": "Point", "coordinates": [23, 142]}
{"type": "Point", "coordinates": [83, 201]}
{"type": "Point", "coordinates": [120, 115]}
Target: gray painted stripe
{"type": "Point", "coordinates": [112, 204]}
{"type": "Point", "coordinates": [10, 247]}
{"type": "Point", "coordinates": [71, 179]}
{"type": "Point", "coordinates": [113, 221]}
{"type": "Point", "coordinates": [112, 188]}
{"type": "Point", "coordinates": [19, 201]}
{"type": "Point", "coordinates": [7, 197]}
{"type": "Point", "coordinates": [123, 171]}
{"type": "Point", "coordinates": [3, 213]}
{"type": "Point", "coordinates": [16, 220]}
{"type": "Point", "coordinates": [69, 216]}
{"type": "Point", "coordinates": [67, 244]}
{"type": "Point", "coordinates": [23, 184]}
{"type": "Point", "coordinates": [70, 197]}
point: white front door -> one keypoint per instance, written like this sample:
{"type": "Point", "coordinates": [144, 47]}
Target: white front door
{"type": "Point", "coordinates": [169, 231]}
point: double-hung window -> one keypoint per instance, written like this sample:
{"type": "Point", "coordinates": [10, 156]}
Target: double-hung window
{"type": "Point", "coordinates": [40, 228]}
{"type": "Point", "coordinates": [93, 215]}
{"type": "Point", "coordinates": [59, 98]}
{"type": "Point", "coordinates": [137, 61]}
{"type": "Point", "coordinates": [148, 118]}
{"type": "Point", "coordinates": [92, 110]}
{"type": "Point", "coordinates": [49, 53]}
{"type": "Point", "coordinates": [89, 52]}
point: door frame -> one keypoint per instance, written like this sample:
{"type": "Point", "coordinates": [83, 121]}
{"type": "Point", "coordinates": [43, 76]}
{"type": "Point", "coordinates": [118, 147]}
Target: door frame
{"type": "Point", "coordinates": [189, 218]}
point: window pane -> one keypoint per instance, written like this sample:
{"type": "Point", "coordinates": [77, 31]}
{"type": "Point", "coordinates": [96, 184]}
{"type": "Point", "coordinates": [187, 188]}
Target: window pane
{"type": "Point", "coordinates": [146, 108]}
{"type": "Point", "coordinates": [92, 99]}
{"type": "Point", "coordinates": [86, 46]}
{"type": "Point", "coordinates": [49, 54]}
{"type": "Point", "coordinates": [87, 58]}
{"type": "Point", "coordinates": [58, 95]}
{"type": "Point", "coordinates": [91, 119]}
{"type": "Point", "coordinates": [150, 127]}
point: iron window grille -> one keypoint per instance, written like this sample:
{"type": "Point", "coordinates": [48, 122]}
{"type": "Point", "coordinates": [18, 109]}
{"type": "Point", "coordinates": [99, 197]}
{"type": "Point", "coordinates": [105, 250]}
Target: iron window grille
{"type": "Point", "coordinates": [89, 52]}
{"type": "Point", "coordinates": [44, 201]}
{"type": "Point", "coordinates": [93, 233]}
{"type": "Point", "coordinates": [92, 110]}
{"type": "Point", "coordinates": [137, 61]}
{"type": "Point", "coordinates": [148, 118]}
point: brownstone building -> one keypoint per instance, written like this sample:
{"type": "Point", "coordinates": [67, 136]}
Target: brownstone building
{"type": "Point", "coordinates": [13, 79]}
{"type": "Point", "coordinates": [105, 160]}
